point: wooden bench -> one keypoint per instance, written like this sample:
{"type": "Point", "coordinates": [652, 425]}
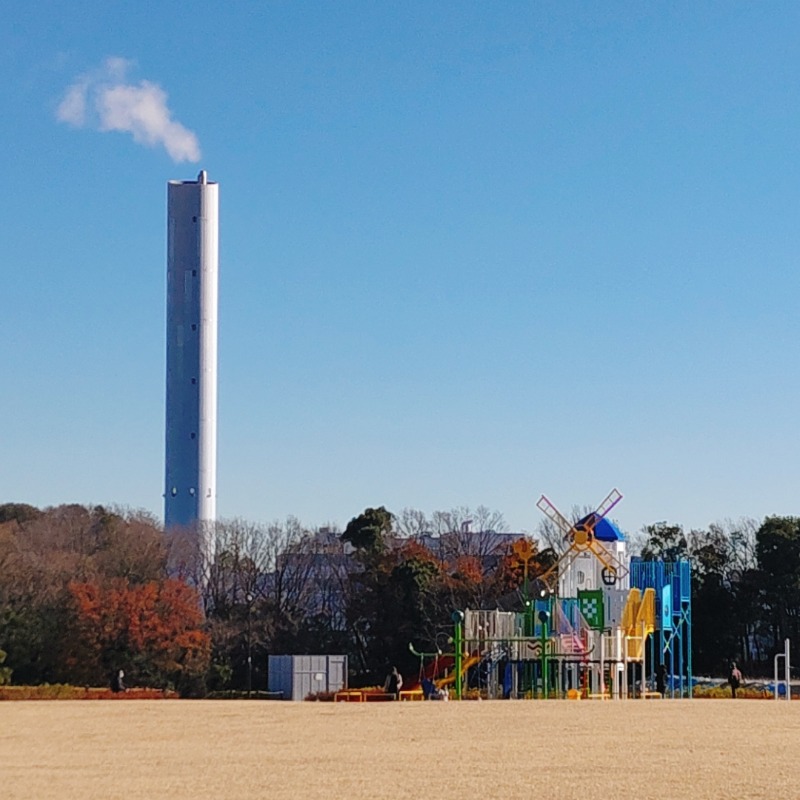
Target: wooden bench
{"type": "Point", "coordinates": [349, 696]}
{"type": "Point", "coordinates": [362, 696]}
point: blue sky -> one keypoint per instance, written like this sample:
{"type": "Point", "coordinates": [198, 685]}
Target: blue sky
{"type": "Point", "coordinates": [470, 253]}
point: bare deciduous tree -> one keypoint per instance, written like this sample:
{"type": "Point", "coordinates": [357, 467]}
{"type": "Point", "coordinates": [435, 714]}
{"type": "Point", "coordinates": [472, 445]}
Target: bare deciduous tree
{"type": "Point", "coordinates": [411, 523]}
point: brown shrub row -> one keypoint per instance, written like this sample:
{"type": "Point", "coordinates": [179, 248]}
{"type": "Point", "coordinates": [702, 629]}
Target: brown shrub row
{"type": "Point", "coordinates": [63, 691]}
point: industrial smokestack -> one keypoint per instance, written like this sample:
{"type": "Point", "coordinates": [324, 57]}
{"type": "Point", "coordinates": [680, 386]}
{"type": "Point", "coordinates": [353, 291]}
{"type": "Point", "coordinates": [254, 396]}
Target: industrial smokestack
{"type": "Point", "coordinates": [190, 493]}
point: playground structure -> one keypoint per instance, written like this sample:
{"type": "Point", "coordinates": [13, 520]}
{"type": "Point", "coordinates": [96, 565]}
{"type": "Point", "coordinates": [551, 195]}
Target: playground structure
{"type": "Point", "coordinates": [595, 625]}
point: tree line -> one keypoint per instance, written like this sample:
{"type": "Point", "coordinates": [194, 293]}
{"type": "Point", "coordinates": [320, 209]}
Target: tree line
{"type": "Point", "coordinates": [86, 591]}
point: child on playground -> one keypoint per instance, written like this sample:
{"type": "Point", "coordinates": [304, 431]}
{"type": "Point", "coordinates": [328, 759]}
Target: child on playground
{"type": "Point", "coordinates": [431, 692]}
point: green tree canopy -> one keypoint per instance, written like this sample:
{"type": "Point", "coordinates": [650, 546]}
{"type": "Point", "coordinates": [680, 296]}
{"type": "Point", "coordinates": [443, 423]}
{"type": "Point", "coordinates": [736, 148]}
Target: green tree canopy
{"type": "Point", "coordinates": [18, 512]}
{"type": "Point", "coordinates": [370, 530]}
{"type": "Point", "coordinates": [664, 542]}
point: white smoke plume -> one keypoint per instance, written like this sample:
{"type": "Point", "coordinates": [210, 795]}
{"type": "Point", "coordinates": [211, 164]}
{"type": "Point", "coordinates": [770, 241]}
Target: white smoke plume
{"type": "Point", "coordinates": [102, 99]}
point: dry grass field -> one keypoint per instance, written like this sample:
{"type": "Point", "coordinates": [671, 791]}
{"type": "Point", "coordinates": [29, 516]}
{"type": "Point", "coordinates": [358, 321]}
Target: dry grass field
{"type": "Point", "coordinates": [236, 750]}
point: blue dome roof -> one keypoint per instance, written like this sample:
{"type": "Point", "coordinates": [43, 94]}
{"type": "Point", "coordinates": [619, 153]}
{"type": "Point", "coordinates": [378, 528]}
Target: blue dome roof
{"type": "Point", "coordinates": [605, 530]}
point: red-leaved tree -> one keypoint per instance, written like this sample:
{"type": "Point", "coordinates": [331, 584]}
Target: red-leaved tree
{"type": "Point", "coordinates": [153, 631]}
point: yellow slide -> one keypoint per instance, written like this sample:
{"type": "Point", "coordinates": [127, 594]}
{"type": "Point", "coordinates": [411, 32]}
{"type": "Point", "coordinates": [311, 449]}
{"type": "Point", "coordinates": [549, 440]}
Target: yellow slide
{"type": "Point", "coordinates": [468, 662]}
{"type": "Point", "coordinates": [639, 621]}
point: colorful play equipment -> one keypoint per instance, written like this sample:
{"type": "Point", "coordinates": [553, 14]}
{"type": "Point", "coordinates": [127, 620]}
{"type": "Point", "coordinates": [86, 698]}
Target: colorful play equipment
{"type": "Point", "coordinates": [596, 625]}
{"type": "Point", "coordinates": [438, 672]}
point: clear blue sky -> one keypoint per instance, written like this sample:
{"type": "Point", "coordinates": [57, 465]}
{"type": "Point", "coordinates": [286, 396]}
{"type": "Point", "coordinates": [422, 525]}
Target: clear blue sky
{"type": "Point", "coordinates": [470, 252]}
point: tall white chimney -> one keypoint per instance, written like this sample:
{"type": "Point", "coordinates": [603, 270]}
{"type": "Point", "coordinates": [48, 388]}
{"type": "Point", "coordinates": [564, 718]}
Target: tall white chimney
{"type": "Point", "coordinates": [191, 420]}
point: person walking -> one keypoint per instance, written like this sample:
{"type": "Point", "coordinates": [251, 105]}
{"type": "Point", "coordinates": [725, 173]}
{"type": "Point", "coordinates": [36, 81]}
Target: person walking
{"type": "Point", "coordinates": [734, 679]}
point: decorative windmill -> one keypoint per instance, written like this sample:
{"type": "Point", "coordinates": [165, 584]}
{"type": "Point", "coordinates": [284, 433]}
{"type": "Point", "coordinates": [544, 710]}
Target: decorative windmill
{"type": "Point", "coordinates": [580, 538]}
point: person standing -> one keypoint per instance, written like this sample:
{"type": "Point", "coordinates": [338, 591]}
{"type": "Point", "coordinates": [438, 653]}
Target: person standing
{"type": "Point", "coordinates": [734, 679]}
{"type": "Point", "coordinates": [118, 682]}
{"type": "Point", "coordinates": [394, 683]}
{"type": "Point", "coordinates": [661, 679]}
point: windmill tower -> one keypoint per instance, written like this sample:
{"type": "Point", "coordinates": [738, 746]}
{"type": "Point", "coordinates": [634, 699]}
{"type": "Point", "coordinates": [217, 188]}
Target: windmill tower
{"type": "Point", "coordinates": [595, 553]}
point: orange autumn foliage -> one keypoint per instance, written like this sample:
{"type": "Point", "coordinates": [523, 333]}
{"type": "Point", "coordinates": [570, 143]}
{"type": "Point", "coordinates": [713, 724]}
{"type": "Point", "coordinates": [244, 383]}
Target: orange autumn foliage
{"type": "Point", "coordinates": [469, 570]}
{"type": "Point", "coordinates": [157, 627]}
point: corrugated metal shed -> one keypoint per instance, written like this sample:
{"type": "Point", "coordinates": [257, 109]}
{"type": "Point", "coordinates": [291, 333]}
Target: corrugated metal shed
{"type": "Point", "coordinates": [296, 677]}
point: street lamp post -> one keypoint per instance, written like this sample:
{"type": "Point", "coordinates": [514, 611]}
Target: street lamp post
{"type": "Point", "coordinates": [249, 598]}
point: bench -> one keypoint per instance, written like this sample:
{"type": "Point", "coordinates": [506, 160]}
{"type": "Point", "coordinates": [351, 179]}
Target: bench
{"type": "Point", "coordinates": [349, 696]}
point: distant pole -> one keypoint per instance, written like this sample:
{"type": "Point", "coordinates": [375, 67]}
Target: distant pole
{"type": "Point", "coordinates": [787, 667]}
{"type": "Point", "coordinates": [544, 618]}
{"type": "Point", "coordinates": [686, 616]}
{"type": "Point", "coordinates": [458, 619]}
{"type": "Point", "coordinates": [249, 598]}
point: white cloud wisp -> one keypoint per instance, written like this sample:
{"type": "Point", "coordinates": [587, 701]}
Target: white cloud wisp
{"type": "Point", "coordinates": [103, 100]}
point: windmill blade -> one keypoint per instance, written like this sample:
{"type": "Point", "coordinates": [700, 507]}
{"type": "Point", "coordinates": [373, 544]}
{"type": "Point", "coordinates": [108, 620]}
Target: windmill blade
{"type": "Point", "coordinates": [608, 559]}
{"type": "Point", "coordinates": [564, 562]}
{"type": "Point", "coordinates": [614, 496]}
{"type": "Point", "coordinates": [554, 515]}
{"type": "Point", "coordinates": [591, 521]}
{"type": "Point", "coordinates": [548, 577]}
{"type": "Point", "coordinates": [545, 579]}
{"type": "Point", "coordinates": [567, 557]}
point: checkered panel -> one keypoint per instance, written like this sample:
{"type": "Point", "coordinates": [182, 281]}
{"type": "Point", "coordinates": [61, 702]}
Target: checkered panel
{"type": "Point", "coordinates": [590, 603]}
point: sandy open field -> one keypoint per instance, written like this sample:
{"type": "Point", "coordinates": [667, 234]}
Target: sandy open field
{"type": "Point", "coordinates": [238, 750]}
